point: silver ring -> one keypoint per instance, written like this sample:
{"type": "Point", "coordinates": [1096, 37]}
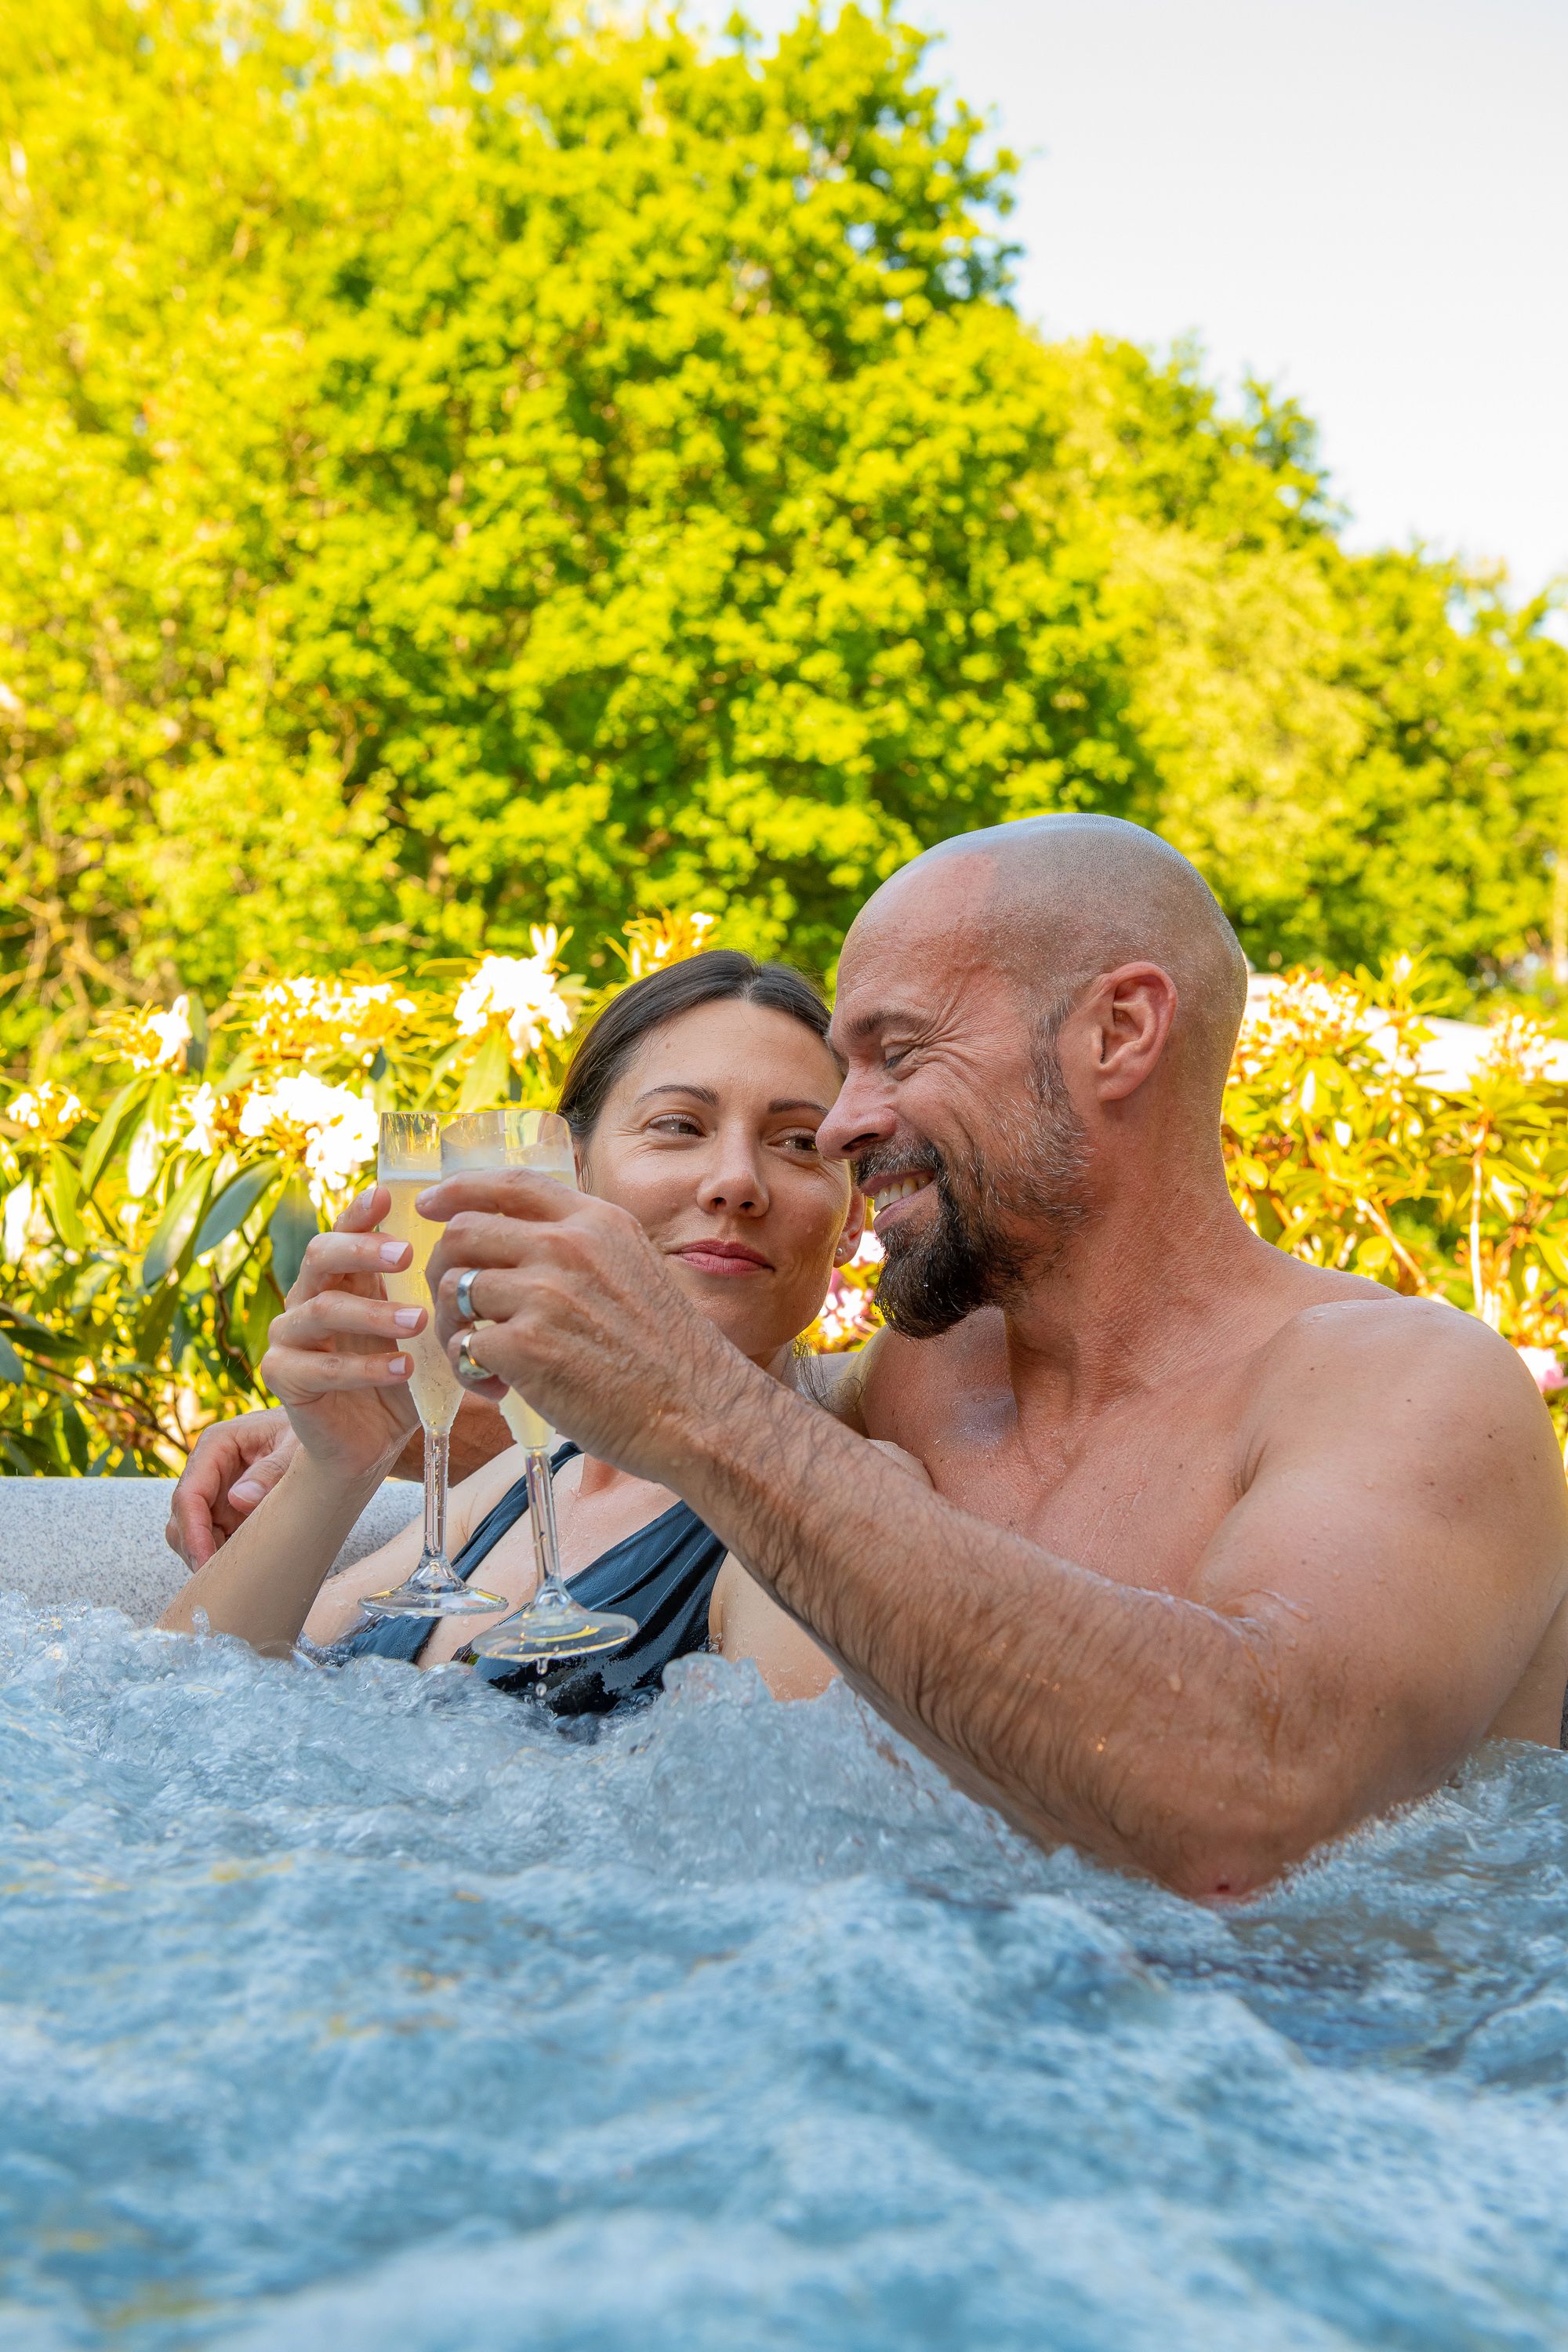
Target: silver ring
{"type": "Point", "coordinates": [472, 1375]}
{"type": "Point", "coordinates": [466, 1310]}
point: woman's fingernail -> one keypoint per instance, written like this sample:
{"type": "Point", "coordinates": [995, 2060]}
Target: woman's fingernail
{"type": "Point", "coordinates": [398, 1366]}
{"type": "Point", "coordinates": [247, 1492]}
{"type": "Point", "coordinates": [392, 1251]}
{"type": "Point", "coordinates": [407, 1317]}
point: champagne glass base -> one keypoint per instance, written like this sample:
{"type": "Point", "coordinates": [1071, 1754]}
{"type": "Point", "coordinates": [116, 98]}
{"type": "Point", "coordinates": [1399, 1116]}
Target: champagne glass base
{"type": "Point", "coordinates": [541, 1634]}
{"type": "Point", "coordinates": [437, 1599]}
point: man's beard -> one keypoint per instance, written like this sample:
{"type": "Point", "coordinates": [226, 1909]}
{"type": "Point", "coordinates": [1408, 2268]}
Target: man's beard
{"type": "Point", "coordinates": [1002, 1220]}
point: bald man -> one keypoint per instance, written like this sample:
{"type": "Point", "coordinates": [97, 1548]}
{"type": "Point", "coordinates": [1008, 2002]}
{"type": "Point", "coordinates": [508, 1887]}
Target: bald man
{"type": "Point", "coordinates": [1221, 1553]}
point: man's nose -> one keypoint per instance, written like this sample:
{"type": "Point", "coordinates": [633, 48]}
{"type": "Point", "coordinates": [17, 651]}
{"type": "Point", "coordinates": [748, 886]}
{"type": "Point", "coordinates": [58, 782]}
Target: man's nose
{"type": "Point", "coordinates": [861, 1116]}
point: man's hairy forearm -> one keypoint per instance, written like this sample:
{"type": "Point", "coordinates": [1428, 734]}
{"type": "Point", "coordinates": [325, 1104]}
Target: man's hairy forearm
{"type": "Point", "coordinates": [1129, 1722]}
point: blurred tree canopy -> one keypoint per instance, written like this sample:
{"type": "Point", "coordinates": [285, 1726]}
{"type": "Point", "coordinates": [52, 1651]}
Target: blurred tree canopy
{"type": "Point", "coordinates": [464, 468]}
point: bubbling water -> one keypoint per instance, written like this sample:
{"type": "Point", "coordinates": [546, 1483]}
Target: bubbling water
{"type": "Point", "coordinates": [374, 2009]}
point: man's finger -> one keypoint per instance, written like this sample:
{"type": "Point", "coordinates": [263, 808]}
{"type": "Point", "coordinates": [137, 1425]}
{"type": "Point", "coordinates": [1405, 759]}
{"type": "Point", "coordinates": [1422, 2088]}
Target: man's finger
{"type": "Point", "coordinates": [495, 1388]}
{"type": "Point", "coordinates": [190, 1531]}
{"type": "Point", "coordinates": [257, 1483]}
{"type": "Point", "coordinates": [503, 1192]}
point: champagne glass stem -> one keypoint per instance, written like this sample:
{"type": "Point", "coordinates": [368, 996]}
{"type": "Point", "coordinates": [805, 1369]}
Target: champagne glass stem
{"type": "Point", "coordinates": [541, 1520]}
{"type": "Point", "coordinates": [438, 1442]}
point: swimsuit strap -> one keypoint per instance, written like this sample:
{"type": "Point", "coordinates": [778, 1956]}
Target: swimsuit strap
{"type": "Point", "coordinates": [662, 1575]}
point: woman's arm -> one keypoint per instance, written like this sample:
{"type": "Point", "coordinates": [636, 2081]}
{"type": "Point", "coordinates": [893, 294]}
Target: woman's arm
{"type": "Point", "coordinates": [262, 1583]}
{"type": "Point", "coordinates": [334, 1361]}
{"type": "Point", "coordinates": [744, 1621]}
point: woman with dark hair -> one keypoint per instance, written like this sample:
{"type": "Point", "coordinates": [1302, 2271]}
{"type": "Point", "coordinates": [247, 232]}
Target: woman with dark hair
{"type": "Point", "coordinates": [693, 1101]}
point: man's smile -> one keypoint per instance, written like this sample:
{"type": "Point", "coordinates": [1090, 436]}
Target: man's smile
{"type": "Point", "coordinates": [888, 1197]}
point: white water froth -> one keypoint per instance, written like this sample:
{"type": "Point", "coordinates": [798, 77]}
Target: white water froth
{"type": "Point", "coordinates": [366, 2009]}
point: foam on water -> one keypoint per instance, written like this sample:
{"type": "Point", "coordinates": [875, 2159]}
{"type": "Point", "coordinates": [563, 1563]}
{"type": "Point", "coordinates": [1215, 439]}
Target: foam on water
{"type": "Point", "coordinates": [366, 2010]}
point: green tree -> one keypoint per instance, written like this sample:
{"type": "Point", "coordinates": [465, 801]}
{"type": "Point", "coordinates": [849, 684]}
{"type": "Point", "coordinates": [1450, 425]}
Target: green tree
{"type": "Point", "coordinates": [466, 468]}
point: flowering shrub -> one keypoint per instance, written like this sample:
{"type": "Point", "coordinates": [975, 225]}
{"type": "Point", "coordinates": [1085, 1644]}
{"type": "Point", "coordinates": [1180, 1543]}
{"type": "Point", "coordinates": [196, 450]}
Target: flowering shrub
{"type": "Point", "coordinates": [1343, 1151]}
{"type": "Point", "coordinates": [149, 1238]}
{"type": "Point", "coordinates": [149, 1241]}
{"type": "Point", "coordinates": [1339, 1150]}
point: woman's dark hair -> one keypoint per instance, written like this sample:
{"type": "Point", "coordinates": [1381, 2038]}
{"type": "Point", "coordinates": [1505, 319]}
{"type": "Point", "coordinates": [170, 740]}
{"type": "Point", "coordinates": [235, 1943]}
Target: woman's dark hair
{"type": "Point", "coordinates": [722, 973]}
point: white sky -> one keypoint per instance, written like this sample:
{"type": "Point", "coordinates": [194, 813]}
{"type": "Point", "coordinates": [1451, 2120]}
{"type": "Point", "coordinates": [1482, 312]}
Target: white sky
{"type": "Point", "coordinates": [1363, 201]}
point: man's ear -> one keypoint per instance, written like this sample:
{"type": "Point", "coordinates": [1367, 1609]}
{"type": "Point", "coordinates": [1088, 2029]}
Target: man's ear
{"type": "Point", "coordinates": [849, 1240]}
{"type": "Point", "coordinates": [1130, 1014]}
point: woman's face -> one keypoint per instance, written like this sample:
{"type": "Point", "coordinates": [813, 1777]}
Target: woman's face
{"type": "Point", "coordinates": [709, 1138]}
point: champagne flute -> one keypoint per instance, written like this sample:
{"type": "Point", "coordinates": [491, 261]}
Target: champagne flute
{"type": "Point", "coordinates": [408, 1162]}
{"type": "Point", "coordinates": [551, 1625]}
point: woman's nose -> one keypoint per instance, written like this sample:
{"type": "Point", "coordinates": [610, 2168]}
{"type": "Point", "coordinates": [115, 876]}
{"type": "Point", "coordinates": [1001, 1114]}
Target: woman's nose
{"type": "Point", "coordinates": [734, 1181]}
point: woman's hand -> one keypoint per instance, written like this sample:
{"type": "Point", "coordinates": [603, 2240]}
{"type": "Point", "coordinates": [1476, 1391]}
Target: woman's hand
{"type": "Point", "coordinates": [333, 1357]}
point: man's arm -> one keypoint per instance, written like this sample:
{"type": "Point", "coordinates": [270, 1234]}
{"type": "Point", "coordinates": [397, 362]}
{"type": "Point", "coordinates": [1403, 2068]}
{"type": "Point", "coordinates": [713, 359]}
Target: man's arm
{"type": "Point", "coordinates": [1357, 1620]}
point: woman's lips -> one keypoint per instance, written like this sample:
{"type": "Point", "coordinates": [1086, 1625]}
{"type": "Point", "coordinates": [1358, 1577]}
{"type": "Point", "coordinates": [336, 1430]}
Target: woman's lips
{"type": "Point", "coordinates": [730, 1259]}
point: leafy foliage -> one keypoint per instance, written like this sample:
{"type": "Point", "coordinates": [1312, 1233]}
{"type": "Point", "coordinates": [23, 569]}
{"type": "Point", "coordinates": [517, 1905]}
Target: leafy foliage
{"type": "Point", "coordinates": [469, 469]}
{"type": "Point", "coordinates": [150, 1235]}
{"type": "Point", "coordinates": [1339, 1150]}
{"type": "Point", "coordinates": [151, 1231]}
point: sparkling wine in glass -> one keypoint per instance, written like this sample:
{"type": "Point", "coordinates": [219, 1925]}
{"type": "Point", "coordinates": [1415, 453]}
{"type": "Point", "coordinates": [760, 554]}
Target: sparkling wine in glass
{"type": "Point", "coordinates": [551, 1625]}
{"type": "Point", "coordinates": [409, 1162]}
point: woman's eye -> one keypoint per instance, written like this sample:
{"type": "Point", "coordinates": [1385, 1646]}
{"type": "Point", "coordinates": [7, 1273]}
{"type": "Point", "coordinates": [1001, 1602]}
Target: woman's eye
{"type": "Point", "coordinates": [675, 1122]}
{"type": "Point", "coordinates": [802, 1143]}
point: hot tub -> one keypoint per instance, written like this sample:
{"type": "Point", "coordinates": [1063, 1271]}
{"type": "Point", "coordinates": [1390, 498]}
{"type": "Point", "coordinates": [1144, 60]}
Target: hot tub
{"type": "Point", "coordinates": [368, 2009]}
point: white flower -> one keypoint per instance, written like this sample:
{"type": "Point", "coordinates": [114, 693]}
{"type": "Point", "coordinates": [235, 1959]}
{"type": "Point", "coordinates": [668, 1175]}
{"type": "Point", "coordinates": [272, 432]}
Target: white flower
{"type": "Point", "coordinates": [521, 992]}
{"type": "Point", "coordinates": [1519, 1047]}
{"type": "Point", "coordinates": [339, 1130]}
{"type": "Point", "coordinates": [202, 1133]}
{"type": "Point", "coordinates": [141, 1159]}
{"type": "Point", "coordinates": [52, 1110]}
{"type": "Point", "coordinates": [173, 1031]}
{"type": "Point", "coordinates": [18, 1216]}
{"type": "Point", "coordinates": [1545, 1369]}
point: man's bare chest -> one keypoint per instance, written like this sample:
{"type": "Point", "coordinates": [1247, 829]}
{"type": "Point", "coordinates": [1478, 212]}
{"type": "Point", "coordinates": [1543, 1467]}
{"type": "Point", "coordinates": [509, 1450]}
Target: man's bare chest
{"type": "Point", "coordinates": [1135, 1492]}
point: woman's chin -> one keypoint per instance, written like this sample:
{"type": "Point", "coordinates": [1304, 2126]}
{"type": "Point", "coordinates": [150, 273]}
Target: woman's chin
{"type": "Point", "coordinates": [748, 1320]}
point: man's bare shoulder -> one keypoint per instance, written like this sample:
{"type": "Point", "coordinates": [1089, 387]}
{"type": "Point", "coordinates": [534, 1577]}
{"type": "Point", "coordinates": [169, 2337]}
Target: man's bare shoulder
{"type": "Point", "coordinates": [1419, 1372]}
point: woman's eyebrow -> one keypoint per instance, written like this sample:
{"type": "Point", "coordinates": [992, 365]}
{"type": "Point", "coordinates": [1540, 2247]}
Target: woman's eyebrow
{"type": "Point", "coordinates": [693, 1094]}
{"type": "Point", "coordinates": [706, 1095]}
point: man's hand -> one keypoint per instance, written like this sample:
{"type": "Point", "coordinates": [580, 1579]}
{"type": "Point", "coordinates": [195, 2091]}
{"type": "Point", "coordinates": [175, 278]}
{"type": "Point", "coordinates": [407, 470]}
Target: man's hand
{"type": "Point", "coordinates": [581, 1317]}
{"type": "Point", "coordinates": [232, 1467]}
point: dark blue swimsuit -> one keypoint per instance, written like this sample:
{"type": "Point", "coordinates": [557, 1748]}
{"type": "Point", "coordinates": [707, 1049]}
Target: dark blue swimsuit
{"type": "Point", "coordinates": [663, 1576]}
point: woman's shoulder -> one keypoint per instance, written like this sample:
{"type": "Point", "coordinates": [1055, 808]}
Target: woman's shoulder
{"type": "Point", "coordinates": [837, 1382]}
{"type": "Point", "coordinates": [475, 1496]}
